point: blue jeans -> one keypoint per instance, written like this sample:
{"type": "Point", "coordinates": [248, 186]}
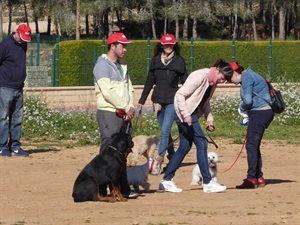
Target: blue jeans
{"type": "Point", "coordinates": [11, 115]}
{"type": "Point", "coordinates": [189, 135]}
{"type": "Point", "coordinates": [166, 118]}
{"type": "Point", "coordinates": [259, 120]}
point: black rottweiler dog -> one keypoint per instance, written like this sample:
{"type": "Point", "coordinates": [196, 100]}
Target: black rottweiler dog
{"type": "Point", "coordinates": [107, 168]}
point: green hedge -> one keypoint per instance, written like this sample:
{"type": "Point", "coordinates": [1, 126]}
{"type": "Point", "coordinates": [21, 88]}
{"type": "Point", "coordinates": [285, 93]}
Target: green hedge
{"type": "Point", "coordinates": [76, 58]}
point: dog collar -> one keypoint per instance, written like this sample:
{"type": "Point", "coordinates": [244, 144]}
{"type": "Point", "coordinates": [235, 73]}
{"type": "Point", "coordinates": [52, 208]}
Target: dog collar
{"type": "Point", "coordinates": [113, 148]}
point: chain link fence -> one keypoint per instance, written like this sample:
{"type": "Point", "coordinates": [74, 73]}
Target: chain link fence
{"type": "Point", "coordinates": [43, 52]}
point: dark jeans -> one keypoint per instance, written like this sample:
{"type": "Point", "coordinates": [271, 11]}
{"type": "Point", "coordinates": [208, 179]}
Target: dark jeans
{"type": "Point", "coordinates": [259, 120]}
{"type": "Point", "coordinates": [11, 115]}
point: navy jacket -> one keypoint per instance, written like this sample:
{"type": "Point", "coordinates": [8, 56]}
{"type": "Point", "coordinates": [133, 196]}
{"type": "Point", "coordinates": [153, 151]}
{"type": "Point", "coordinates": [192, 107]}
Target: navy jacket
{"type": "Point", "coordinates": [12, 63]}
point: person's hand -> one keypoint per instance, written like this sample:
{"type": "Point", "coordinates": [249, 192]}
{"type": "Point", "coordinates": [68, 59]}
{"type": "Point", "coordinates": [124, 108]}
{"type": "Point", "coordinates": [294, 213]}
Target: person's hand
{"type": "Point", "coordinates": [139, 106]}
{"type": "Point", "coordinates": [210, 127]}
{"type": "Point", "coordinates": [188, 120]}
{"type": "Point", "coordinates": [130, 114]}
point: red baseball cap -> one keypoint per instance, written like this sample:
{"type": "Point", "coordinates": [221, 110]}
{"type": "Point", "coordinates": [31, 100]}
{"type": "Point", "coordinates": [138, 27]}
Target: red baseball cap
{"type": "Point", "coordinates": [234, 65]}
{"type": "Point", "coordinates": [117, 37]}
{"type": "Point", "coordinates": [24, 32]}
{"type": "Point", "coordinates": [168, 39]}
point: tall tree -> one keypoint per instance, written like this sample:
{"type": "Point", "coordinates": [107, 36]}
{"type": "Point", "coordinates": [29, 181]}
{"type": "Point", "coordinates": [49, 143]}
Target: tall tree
{"type": "Point", "coordinates": [77, 19]}
{"type": "Point", "coordinates": [282, 18]}
{"type": "Point", "coordinates": [296, 19]}
{"type": "Point", "coordinates": [1, 20]}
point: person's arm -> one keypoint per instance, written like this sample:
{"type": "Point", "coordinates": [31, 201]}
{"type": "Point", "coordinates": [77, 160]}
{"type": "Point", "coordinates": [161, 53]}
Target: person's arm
{"type": "Point", "coordinates": [150, 81]}
{"type": "Point", "coordinates": [247, 95]}
{"type": "Point", "coordinates": [184, 75]}
{"type": "Point", "coordinates": [193, 82]}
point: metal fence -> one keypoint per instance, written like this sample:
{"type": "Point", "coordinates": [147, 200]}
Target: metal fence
{"type": "Point", "coordinates": [43, 52]}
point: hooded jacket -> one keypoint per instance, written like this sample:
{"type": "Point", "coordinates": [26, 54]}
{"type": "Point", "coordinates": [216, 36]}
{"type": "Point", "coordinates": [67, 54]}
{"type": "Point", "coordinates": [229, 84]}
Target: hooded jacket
{"type": "Point", "coordinates": [113, 87]}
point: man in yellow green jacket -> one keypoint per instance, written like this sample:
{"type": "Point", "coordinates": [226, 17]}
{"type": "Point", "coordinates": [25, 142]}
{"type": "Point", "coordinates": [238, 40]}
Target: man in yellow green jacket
{"type": "Point", "coordinates": [114, 93]}
{"type": "Point", "coordinates": [114, 90]}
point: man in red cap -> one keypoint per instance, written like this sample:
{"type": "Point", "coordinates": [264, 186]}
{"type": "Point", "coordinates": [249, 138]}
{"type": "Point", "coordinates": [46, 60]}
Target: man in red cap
{"type": "Point", "coordinates": [12, 76]}
{"type": "Point", "coordinates": [114, 93]}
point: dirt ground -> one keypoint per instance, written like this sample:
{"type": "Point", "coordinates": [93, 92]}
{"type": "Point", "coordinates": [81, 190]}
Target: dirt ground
{"type": "Point", "coordinates": [37, 190]}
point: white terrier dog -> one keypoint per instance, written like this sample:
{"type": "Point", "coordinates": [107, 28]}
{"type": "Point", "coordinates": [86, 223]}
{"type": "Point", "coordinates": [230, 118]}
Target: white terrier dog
{"type": "Point", "coordinates": [143, 145]}
{"type": "Point", "coordinates": [138, 175]}
{"type": "Point", "coordinates": [212, 158]}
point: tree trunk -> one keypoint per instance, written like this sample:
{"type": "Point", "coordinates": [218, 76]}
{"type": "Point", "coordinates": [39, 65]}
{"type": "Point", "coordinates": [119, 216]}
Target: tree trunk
{"type": "Point", "coordinates": [253, 21]}
{"type": "Point", "coordinates": [263, 19]}
{"type": "Point", "coordinates": [272, 20]}
{"type": "Point", "coordinates": [152, 20]}
{"type": "Point", "coordinates": [195, 35]}
{"type": "Point", "coordinates": [296, 19]}
{"type": "Point", "coordinates": [36, 22]}
{"type": "Point", "coordinates": [87, 27]}
{"type": "Point", "coordinates": [282, 22]}
{"type": "Point", "coordinates": [1, 20]}
{"type": "Point", "coordinates": [165, 25]}
{"type": "Point", "coordinates": [49, 25]}
{"type": "Point", "coordinates": [77, 19]}
{"type": "Point", "coordinates": [185, 27]}
{"type": "Point", "coordinates": [10, 8]}
{"type": "Point", "coordinates": [234, 36]}
{"type": "Point", "coordinates": [119, 19]}
{"type": "Point", "coordinates": [26, 14]}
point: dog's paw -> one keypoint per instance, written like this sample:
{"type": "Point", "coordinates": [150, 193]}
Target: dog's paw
{"type": "Point", "coordinates": [194, 183]}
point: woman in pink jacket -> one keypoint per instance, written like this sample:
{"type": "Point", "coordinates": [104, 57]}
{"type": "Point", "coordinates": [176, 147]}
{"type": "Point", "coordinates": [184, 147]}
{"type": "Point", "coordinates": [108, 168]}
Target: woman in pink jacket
{"type": "Point", "coordinates": [192, 101]}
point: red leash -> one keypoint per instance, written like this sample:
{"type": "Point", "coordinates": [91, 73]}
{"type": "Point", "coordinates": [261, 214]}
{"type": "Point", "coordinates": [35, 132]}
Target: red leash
{"type": "Point", "coordinates": [245, 139]}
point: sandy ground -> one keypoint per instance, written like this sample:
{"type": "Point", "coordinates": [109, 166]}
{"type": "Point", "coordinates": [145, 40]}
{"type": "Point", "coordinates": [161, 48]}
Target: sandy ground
{"type": "Point", "coordinates": [37, 190]}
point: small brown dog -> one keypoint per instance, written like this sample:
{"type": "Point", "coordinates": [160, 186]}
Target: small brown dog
{"type": "Point", "coordinates": [143, 145]}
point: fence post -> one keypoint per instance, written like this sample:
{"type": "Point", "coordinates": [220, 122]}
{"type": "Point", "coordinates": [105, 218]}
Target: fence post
{"type": "Point", "coordinates": [38, 41]}
{"type": "Point", "coordinates": [270, 59]}
{"type": "Point", "coordinates": [53, 67]}
{"type": "Point", "coordinates": [148, 55]}
{"type": "Point", "coordinates": [95, 55]}
{"type": "Point", "coordinates": [191, 55]}
{"type": "Point", "coordinates": [55, 64]}
{"type": "Point", "coordinates": [233, 50]}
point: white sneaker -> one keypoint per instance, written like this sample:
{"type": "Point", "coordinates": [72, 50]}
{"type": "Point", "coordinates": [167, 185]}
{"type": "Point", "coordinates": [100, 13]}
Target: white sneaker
{"type": "Point", "coordinates": [213, 186]}
{"type": "Point", "coordinates": [169, 185]}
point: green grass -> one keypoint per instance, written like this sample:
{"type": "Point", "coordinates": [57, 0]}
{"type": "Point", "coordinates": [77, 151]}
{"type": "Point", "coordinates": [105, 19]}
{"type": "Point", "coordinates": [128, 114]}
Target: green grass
{"type": "Point", "coordinates": [80, 128]}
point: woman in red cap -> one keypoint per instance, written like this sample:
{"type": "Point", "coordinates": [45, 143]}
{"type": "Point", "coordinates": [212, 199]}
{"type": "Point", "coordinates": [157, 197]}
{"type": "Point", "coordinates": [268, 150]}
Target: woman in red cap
{"type": "Point", "coordinates": [255, 97]}
{"type": "Point", "coordinates": [167, 68]}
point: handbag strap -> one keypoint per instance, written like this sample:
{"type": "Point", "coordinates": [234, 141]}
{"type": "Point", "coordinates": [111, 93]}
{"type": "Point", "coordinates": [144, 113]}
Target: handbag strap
{"type": "Point", "coordinates": [269, 103]}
